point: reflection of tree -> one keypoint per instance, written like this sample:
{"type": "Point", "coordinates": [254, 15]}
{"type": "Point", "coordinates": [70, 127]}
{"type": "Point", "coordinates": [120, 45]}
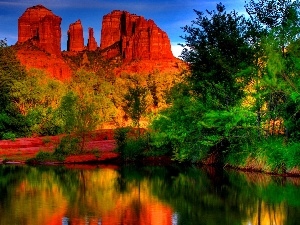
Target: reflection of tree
{"type": "Point", "coordinates": [144, 195]}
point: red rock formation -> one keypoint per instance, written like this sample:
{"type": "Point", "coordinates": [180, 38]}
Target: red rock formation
{"type": "Point", "coordinates": [43, 27]}
{"type": "Point", "coordinates": [92, 44]}
{"type": "Point", "coordinates": [133, 37]}
{"type": "Point", "coordinates": [75, 37]}
{"type": "Point", "coordinates": [33, 57]}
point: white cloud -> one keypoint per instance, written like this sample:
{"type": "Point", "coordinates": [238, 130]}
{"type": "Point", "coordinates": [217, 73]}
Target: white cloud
{"type": "Point", "coordinates": [176, 49]}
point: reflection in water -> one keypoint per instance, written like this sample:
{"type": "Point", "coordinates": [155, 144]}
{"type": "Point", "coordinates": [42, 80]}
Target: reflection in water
{"type": "Point", "coordinates": [144, 196]}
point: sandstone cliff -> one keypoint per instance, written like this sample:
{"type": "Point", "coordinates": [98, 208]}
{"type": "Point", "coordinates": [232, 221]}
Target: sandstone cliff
{"type": "Point", "coordinates": [41, 26]}
{"type": "Point", "coordinates": [140, 45]}
{"type": "Point", "coordinates": [133, 37]}
{"type": "Point", "coordinates": [33, 57]}
{"type": "Point", "coordinates": [75, 37]}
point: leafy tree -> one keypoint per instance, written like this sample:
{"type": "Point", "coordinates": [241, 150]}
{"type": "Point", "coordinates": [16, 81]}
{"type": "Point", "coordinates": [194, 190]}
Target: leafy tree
{"type": "Point", "coordinates": [217, 49]}
{"type": "Point", "coordinates": [37, 97]}
{"type": "Point", "coordinates": [11, 72]}
{"type": "Point", "coordinates": [206, 112]}
{"type": "Point", "coordinates": [94, 90]}
{"type": "Point", "coordinates": [135, 104]}
{"type": "Point", "coordinates": [279, 63]}
{"type": "Point", "coordinates": [79, 117]}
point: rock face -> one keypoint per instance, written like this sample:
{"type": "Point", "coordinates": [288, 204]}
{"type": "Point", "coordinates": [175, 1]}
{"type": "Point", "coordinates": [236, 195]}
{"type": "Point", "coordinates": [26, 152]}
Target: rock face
{"type": "Point", "coordinates": [33, 57]}
{"type": "Point", "coordinates": [75, 37]}
{"type": "Point", "coordinates": [133, 37]}
{"type": "Point", "coordinates": [41, 26]}
{"type": "Point", "coordinates": [92, 44]}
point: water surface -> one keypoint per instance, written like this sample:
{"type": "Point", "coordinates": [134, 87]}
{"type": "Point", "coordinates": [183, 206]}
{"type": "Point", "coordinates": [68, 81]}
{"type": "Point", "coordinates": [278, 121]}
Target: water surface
{"type": "Point", "coordinates": [110, 195]}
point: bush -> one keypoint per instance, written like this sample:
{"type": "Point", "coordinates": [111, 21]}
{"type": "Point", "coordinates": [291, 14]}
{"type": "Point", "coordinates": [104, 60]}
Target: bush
{"type": "Point", "coordinates": [68, 145]}
{"type": "Point", "coordinates": [130, 148]}
{"type": "Point", "coordinates": [120, 135]}
{"type": "Point", "coordinates": [9, 136]}
{"type": "Point", "coordinates": [134, 148]}
{"type": "Point", "coordinates": [44, 156]}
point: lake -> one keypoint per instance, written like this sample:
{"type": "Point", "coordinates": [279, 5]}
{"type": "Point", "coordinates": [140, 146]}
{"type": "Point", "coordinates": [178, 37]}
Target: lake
{"type": "Point", "coordinates": [151, 195]}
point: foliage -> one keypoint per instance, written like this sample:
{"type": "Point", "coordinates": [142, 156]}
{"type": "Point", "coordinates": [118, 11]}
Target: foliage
{"type": "Point", "coordinates": [121, 136]}
{"type": "Point", "coordinates": [241, 97]}
{"type": "Point", "coordinates": [68, 145]}
{"type": "Point", "coordinates": [11, 72]}
{"type": "Point", "coordinates": [156, 85]}
{"type": "Point", "coordinates": [37, 90]}
{"type": "Point", "coordinates": [217, 49]}
{"type": "Point", "coordinates": [204, 113]}
{"type": "Point", "coordinates": [43, 157]}
{"type": "Point", "coordinates": [9, 136]}
{"type": "Point", "coordinates": [129, 146]}
{"type": "Point", "coordinates": [78, 116]}
{"type": "Point", "coordinates": [135, 104]}
{"type": "Point", "coordinates": [134, 148]}
{"type": "Point", "coordinates": [96, 92]}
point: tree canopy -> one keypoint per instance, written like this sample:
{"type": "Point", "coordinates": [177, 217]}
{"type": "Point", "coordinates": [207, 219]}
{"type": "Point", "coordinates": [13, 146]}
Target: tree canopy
{"type": "Point", "coordinates": [243, 86]}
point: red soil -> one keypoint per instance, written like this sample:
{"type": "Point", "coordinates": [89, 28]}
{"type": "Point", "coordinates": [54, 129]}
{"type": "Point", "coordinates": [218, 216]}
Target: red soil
{"type": "Point", "coordinates": [100, 147]}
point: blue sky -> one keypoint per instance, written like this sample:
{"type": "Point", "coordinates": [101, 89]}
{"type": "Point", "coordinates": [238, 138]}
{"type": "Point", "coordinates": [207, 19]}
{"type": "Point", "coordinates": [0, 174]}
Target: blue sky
{"type": "Point", "coordinates": [169, 15]}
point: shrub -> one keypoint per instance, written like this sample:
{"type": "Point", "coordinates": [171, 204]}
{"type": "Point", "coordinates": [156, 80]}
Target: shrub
{"type": "Point", "coordinates": [44, 156]}
{"type": "Point", "coordinates": [9, 136]}
{"type": "Point", "coordinates": [134, 148]}
{"type": "Point", "coordinates": [68, 145]}
{"type": "Point", "coordinates": [130, 147]}
{"type": "Point", "coordinates": [120, 135]}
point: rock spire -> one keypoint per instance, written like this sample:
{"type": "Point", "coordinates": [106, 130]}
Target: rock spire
{"type": "Point", "coordinates": [92, 44]}
{"type": "Point", "coordinates": [75, 37]}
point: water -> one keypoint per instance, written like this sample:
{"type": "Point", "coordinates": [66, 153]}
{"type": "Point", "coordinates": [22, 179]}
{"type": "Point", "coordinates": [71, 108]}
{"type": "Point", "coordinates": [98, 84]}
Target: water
{"type": "Point", "coordinates": [110, 195]}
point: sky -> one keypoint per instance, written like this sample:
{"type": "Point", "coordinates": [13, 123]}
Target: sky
{"type": "Point", "coordinates": [169, 15]}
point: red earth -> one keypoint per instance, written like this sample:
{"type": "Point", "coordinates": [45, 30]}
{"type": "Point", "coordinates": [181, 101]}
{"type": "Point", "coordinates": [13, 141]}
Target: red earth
{"type": "Point", "coordinates": [100, 148]}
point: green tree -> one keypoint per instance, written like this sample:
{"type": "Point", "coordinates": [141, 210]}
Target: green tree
{"type": "Point", "coordinates": [79, 117]}
{"type": "Point", "coordinates": [135, 104]}
{"type": "Point", "coordinates": [206, 111]}
{"type": "Point", "coordinates": [277, 85]}
{"type": "Point", "coordinates": [92, 89]}
{"type": "Point", "coordinates": [11, 71]}
{"type": "Point", "coordinates": [37, 97]}
{"type": "Point", "coordinates": [217, 49]}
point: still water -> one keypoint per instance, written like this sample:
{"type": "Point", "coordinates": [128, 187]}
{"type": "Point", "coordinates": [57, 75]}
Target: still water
{"type": "Point", "coordinates": [107, 195]}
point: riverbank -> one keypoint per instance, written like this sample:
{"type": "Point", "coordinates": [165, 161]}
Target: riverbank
{"type": "Point", "coordinates": [100, 149]}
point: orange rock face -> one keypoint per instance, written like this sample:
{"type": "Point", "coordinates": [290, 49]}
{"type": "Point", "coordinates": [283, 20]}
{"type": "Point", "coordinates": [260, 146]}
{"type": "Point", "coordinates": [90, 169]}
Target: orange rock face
{"type": "Point", "coordinates": [33, 57]}
{"type": "Point", "coordinates": [41, 26]}
{"type": "Point", "coordinates": [92, 44]}
{"type": "Point", "coordinates": [75, 37]}
{"type": "Point", "coordinates": [133, 37]}
{"type": "Point", "coordinates": [140, 42]}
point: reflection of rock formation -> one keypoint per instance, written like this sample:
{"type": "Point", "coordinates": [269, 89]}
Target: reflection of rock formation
{"type": "Point", "coordinates": [75, 37]}
{"type": "Point", "coordinates": [135, 37]}
{"type": "Point", "coordinates": [92, 44]}
{"type": "Point", "coordinates": [41, 26]}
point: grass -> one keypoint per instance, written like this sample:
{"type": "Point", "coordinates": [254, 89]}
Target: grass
{"type": "Point", "coordinates": [271, 154]}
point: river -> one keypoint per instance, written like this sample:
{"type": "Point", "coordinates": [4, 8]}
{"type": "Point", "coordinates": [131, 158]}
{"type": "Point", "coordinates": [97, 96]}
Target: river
{"type": "Point", "coordinates": [151, 195]}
